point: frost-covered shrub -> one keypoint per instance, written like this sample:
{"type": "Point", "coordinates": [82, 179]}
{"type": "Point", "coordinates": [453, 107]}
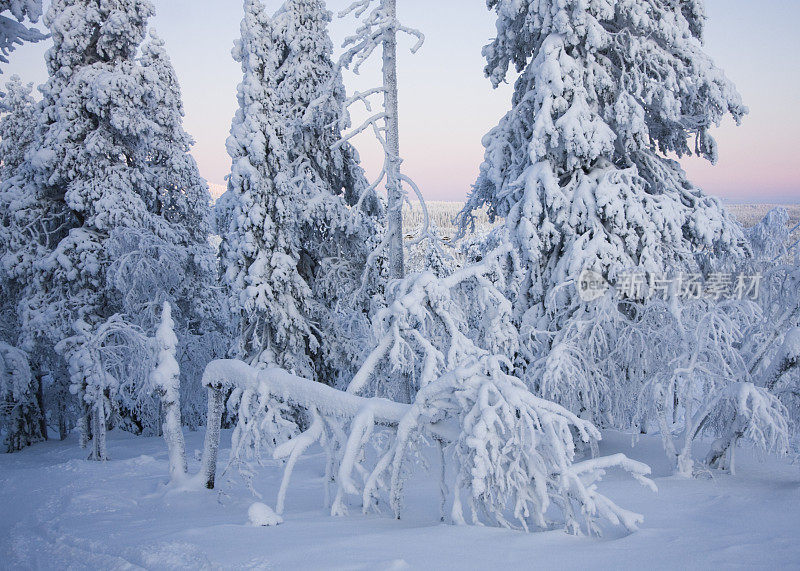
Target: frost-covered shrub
{"type": "Point", "coordinates": [697, 381]}
{"type": "Point", "coordinates": [514, 454]}
{"type": "Point", "coordinates": [772, 345]}
{"type": "Point", "coordinates": [109, 366]}
{"type": "Point", "coordinates": [20, 410]}
{"type": "Point", "coordinates": [433, 325]}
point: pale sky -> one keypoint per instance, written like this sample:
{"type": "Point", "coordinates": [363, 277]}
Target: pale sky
{"type": "Point", "coordinates": [447, 105]}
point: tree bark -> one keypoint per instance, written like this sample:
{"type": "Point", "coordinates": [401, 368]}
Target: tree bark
{"type": "Point", "coordinates": [393, 183]}
{"type": "Point", "coordinates": [40, 403]}
{"type": "Point", "coordinates": [213, 426]}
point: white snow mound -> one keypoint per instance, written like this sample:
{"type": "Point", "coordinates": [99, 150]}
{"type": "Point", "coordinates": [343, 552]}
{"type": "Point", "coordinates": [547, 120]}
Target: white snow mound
{"type": "Point", "coordinates": [261, 515]}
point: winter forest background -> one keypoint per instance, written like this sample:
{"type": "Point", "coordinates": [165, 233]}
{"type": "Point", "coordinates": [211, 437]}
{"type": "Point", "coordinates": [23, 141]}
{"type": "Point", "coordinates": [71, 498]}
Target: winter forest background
{"type": "Point", "coordinates": [589, 344]}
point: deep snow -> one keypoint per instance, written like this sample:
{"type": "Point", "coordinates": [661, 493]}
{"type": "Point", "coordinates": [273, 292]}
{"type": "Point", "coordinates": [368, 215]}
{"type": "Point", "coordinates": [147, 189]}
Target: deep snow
{"type": "Point", "coordinates": [61, 511]}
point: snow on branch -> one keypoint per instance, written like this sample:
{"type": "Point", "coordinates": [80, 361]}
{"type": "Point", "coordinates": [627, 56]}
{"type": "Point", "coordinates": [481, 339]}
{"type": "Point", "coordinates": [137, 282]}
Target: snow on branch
{"type": "Point", "coordinates": [20, 415]}
{"type": "Point", "coordinates": [420, 335]}
{"type": "Point", "coordinates": [513, 454]}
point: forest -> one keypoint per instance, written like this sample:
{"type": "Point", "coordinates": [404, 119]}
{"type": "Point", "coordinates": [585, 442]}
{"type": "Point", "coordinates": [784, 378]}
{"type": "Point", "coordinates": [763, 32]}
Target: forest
{"type": "Point", "coordinates": [295, 327]}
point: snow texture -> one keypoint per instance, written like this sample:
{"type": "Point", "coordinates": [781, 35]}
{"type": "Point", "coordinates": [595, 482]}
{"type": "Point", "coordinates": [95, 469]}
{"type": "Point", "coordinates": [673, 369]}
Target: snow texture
{"type": "Point", "coordinates": [261, 515]}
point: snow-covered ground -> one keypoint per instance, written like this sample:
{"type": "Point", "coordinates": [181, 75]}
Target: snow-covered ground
{"type": "Point", "coordinates": [61, 511]}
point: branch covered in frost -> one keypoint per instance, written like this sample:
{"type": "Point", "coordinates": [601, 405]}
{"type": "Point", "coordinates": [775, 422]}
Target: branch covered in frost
{"type": "Point", "coordinates": [514, 453]}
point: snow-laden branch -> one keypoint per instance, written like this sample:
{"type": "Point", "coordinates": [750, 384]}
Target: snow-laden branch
{"type": "Point", "coordinates": [513, 453]}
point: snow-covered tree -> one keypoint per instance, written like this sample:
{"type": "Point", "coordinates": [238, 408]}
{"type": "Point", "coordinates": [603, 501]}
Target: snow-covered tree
{"type": "Point", "coordinates": [697, 381]}
{"type": "Point", "coordinates": [579, 169]}
{"type": "Point", "coordinates": [576, 166]}
{"type": "Point", "coordinates": [340, 216]}
{"type": "Point", "coordinates": [433, 326]}
{"type": "Point", "coordinates": [260, 251]}
{"type": "Point", "coordinates": [771, 346]}
{"type": "Point", "coordinates": [510, 457]}
{"type": "Point", "coordinates": [303, 217]}
{"type": "Point", "coordinates": [113, 217]}
{"type": "Point", "coordinates": [109, 366]}
{"type": "Point", "coordinates": [15, 138]}
{"type": "Point", "coordinates": [13, 31]}
{"type": "Point", "coordinates": [379, 29]}
{"type": "Point", "coordinates": [16, 135]}
{"type": "Point", "coordinates": [21, 416]}
{"type": "Point", "coordinates": [150, 269]}
{"type": "Point", "coordinates": [166, 381]}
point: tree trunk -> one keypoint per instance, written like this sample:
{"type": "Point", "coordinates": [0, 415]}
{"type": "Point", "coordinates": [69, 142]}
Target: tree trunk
{"type": "Point", "coordinates": [393, 184]}
{"type": "Point", "coordinates": [99, 452]}
{"type": "Point", "coordinates": [62, 422]}
{"type": "Point", "coordinates": [83, 419]}
{"type": "Point", "coordinates": [213, 426]}
{"type": "Point", "coordinates": [40, 404]}
{"type": "Point", "coordinates": [173, 435]}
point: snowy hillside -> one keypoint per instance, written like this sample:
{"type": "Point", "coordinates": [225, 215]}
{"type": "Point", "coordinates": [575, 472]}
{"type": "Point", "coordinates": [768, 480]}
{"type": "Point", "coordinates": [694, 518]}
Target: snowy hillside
{"type": "Point", "coordinates": [61, 511]}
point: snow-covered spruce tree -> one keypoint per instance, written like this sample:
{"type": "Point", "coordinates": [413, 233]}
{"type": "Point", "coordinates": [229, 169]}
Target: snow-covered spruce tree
{"type": "Point", "coordinates": [339, 214]}
{"type": "Point", "coordinates": [18, 114]}
{"type": "Point", "coordinates": [13, 31]}
{"type": "Point", "coordinates": [578, 167]}
{"type": "Point", "coordinates": [21, 416]}
{"type": "Point", "coordinates": [300, 200]}
{"type": "Point", "coordinates": [260, 252]}
{"type": "Point", "coordinates": [183, 270]}
{"type": "Point", "coordinates": [23, 408]}
{"type": "Point", "coordinates": [96, 175]}
{"type": "Point", "coordinates": [166, 381]}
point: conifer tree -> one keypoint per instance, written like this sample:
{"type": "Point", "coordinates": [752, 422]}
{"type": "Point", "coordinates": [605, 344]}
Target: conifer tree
{"type": "Point", "coordinates": [21, 406]}
{"type": "Point", "coordinates": [302, 216]}
{"type": "Point", "coordinates": [260, 251]}
{"type": "Point", "coordinates": [339, 215]}
{"type": "Point", "coordinates": [183, 270]}
{"type": "Point", "coordinates": [113, 205]}
{"type": "Point", "coordinates": [579, 167]}
{"type": "Point", "coordinates": [21, 417]}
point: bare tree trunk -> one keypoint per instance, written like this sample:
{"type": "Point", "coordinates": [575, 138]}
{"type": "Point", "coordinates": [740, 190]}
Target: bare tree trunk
{"type": "Point", "coordinates": [393, 183]}
{"type": "Point", "coordinates": [83, 418]}
{"type": "Point", "coordinates": [99, 452]}
{"type": "Point", "coordinates": [213, 426]}
{"type": "Point", "coordinates": [40, 404]}
{"type": "Point", "coordinates": [62, 422]}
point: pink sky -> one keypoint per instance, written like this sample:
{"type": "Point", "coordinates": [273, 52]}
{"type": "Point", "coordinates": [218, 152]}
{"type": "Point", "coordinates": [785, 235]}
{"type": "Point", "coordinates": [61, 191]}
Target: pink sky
{"type": "Point", "coordinates": [447, 105]}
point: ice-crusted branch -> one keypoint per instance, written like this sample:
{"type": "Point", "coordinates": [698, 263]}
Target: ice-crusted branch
{"type": "Point", "coordinates": [513, 453]}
